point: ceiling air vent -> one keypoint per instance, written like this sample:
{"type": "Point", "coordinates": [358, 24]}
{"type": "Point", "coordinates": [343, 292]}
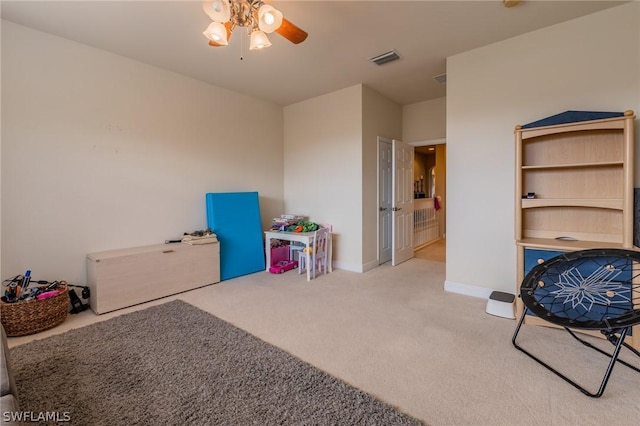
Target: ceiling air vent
{"type": "Point", "coordinates": [441, 79]}
{"type": "Point", "coordinates": [392, 55]}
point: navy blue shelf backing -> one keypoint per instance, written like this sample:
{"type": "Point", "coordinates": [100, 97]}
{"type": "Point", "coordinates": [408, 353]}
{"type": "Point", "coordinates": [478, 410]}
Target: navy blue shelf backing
{"type": "Point", "coordinates": [572, 117]}
{"type": "Point", "coordinates": [636, 215]}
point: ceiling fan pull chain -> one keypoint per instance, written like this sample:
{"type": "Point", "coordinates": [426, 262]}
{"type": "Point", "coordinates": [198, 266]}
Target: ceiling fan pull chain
{"type": "Point", "coordinates": [241, 46]}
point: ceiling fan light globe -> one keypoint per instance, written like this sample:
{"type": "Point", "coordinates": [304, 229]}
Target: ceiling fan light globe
{"type": "Point", "coordinates": [217, 33]}
{"type": "Point", "coordinates": [259, 40]}
{"type": "Point", "coordinates": [269, 18]}
{"type": "Point", "coordinates": [218, 10]}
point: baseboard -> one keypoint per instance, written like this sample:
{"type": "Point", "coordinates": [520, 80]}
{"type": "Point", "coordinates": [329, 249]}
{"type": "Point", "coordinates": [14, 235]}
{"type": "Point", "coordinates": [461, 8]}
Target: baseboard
{"type": "Point", "coordinates": [467, 290]}
{"type": "Point", "coordinates": [346, 266]}
{"type": "Point", "coordinates": [354, 267]}
{"type": "Point", "coordinates": [370, 265]}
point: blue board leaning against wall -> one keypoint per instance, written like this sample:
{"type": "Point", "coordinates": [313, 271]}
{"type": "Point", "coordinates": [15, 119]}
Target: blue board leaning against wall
{"type": "Point", "coordinates": [235, 219]}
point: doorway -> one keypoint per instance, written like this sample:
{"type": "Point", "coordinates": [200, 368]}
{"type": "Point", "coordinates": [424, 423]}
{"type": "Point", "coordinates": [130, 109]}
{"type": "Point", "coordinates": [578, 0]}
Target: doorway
{"type": "Point", "coordinates": [430, 199]}
{"type": "Point", "coordinates": [437, 251]}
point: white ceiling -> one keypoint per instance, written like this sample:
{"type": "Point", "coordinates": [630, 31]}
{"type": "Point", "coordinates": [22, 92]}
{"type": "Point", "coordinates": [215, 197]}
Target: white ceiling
{"type": "Point", "coordinates": [343, 35]}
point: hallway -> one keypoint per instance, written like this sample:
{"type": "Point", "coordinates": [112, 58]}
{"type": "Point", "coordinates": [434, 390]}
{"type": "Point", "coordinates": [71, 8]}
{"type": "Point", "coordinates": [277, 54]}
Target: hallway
{"type": "Point", "coordinates": [434, 251]}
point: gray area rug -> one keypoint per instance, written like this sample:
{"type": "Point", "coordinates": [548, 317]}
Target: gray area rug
{"type": "Point", "coordinates": [174, 364]}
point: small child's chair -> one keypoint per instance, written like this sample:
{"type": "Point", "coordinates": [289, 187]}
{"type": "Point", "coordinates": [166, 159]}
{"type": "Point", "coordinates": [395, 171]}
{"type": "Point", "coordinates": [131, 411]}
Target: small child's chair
{"type": "Point", "coordinates": [297, 248]}
{"type": "Point", "coordinates": [319, 253]}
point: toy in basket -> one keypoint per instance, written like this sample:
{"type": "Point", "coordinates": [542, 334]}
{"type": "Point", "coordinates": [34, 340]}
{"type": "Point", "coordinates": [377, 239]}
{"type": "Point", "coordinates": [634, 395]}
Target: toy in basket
{"type": "Point", "coordinates": [37, 310]}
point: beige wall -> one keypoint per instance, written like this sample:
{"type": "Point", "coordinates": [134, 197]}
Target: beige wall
{"type": "Point", "coordinates": [102, 152]}
{"type": "Point", "coordinates": [590, 63]}
{"type": "Point", "coordinates": [121, 154]}
{"type": "Point", "coordinates": [331, 140]}
{"type": "Point", "coordinates": [99, 151]}
{"type": "Point", "coordinates": [323, 167]}
{"type": "Point", "coordinates": [424, 121]}
{"type": "Point", "coordinates": [381, 117]}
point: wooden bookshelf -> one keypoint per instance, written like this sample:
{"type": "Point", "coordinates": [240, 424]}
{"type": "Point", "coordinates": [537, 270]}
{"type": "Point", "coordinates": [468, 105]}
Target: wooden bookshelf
{"type": "Point", "coordinates": [581, 173]}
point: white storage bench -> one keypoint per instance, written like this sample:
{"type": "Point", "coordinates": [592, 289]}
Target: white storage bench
{"type": "Point", "coordinates": [127, 277]}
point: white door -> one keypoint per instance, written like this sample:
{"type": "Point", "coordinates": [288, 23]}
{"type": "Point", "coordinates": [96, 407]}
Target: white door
{"type": "Point", "coordinates": [385, 200]}
{"type": "Point", "coordinates": [402, 209]}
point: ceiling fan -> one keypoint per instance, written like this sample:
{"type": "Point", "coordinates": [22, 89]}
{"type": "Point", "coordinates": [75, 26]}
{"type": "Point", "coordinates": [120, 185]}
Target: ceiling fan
{"type": "Point", "coordinates": [258, 17]}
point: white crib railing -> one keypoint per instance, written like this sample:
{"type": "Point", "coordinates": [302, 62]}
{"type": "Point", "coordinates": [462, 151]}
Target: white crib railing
{"type": "Point", "coordinates": [425, 222]}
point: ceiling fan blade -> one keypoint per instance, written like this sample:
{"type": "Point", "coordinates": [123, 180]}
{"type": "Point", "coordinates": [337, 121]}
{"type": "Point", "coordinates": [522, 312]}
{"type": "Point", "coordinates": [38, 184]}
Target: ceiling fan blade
{"type": "Point", "coordinates": [227, 25]}
{"type": "Point", "coordinates": [291, 32]}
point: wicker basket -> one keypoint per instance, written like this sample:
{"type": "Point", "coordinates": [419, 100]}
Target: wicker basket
{"type": "Point", "coordinates": [22, 318]}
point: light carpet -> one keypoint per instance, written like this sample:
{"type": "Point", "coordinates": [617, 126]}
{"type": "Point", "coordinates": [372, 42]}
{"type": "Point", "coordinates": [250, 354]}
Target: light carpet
{"type": "Point", "coordinates": [176, 364]}
{"type": "Point", "coordinates": [437, 356]}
